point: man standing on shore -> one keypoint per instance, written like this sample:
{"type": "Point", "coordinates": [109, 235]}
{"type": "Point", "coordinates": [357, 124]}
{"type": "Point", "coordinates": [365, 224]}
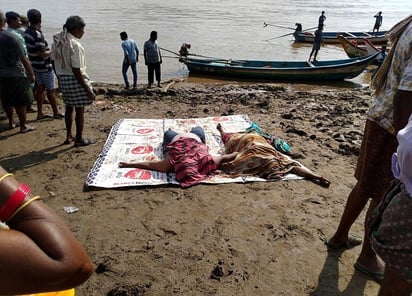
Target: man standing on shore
{"type": "Point", "coordinates": [39, 55]}
{"type": "Point", "coordinates": [16, 74]}
{"type": "Point", "coordinates": [14, 25]}
{"type": "Point", "coordinates": [70, 63]}
{"type": "Point", "coordinates": [131, 57]}
{"type": "Point", "coordinates": [152, 59]}
{"type": "Point", "coordinates": [388, 113]}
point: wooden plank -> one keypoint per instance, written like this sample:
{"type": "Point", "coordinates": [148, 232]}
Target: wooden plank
{"type": "Point", "coordinates": [351, 35]}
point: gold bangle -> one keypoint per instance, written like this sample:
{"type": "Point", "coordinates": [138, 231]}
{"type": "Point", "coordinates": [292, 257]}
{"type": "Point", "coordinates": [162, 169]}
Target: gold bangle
{"type": "Point", "coordinates": [5, 176]}
{"type": "Point", "coordinates": [21, 207]}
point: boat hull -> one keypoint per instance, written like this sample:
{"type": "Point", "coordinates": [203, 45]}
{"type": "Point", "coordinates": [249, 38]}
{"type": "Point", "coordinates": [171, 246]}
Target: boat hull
{"type": "Point", "coordinates": [352, 49]}
{"type": "Point", "coordinates": [280, 71]}
{"type": "Point", "coordinates": [332, 37]}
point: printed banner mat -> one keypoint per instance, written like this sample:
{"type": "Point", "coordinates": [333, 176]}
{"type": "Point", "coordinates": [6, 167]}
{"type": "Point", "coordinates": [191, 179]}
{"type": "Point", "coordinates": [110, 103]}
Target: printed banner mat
{"type": "Point", "coordinates": [132, 140]}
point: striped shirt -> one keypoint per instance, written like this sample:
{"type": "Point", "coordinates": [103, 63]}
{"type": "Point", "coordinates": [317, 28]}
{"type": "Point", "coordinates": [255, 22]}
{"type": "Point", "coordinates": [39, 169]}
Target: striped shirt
{"type": "Point", "coordinates": [35, 42]}
{"type": "Point", "coordinates": [190, 161]}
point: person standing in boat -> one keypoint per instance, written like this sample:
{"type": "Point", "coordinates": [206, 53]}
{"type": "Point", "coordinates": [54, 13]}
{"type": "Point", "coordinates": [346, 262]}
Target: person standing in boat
{"type": "Point", "coordinates": [316, 44]}
{"type": "Point", "coordinates": [378, 21]}
{"type": "Point", "coordinates": [322, 19]}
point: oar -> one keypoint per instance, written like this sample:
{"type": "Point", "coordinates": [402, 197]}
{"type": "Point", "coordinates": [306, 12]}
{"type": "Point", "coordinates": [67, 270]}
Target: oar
{"type": "Point", "coordinates": [280, 36]}
{"type": "Point", "coordinates": [169, 51]}
{"type": "Point", "coordinates": [272, 25]}
{"type": "Point", "coordinates": [290, 34]}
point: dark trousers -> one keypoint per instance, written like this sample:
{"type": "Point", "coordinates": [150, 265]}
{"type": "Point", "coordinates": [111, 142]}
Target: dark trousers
{"type": "Point", "coordinates": [153, 68]}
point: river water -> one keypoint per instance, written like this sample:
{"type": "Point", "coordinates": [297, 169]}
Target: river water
{"type": "Point", "coordinates": [222, 29]}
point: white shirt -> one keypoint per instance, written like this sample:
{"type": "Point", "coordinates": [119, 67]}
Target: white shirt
{"type": "Point", "coordinates": [402, 159]}
{"type": "Point", "coordinates": [73, 56]}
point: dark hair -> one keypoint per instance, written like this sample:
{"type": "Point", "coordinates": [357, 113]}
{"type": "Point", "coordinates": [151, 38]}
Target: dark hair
{"type": "Point", "coordinates": [153, 34]}
{"type": "Point", "coordinates": [12, 16]}
{"type": "Point", "coordinates": [74, 22]}
{"type": "Point", "coordinates": [123, 35]}
{"type": "Point", "coordinates": [34, 16]}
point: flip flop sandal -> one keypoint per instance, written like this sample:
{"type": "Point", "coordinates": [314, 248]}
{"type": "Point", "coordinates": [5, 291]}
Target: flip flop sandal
{"type": "Point", "coordinates": [44, 117]}
{"type": "Point", "coordinates": [352, 241]}
{"type": "Point", "coordinates": [376, 276]}
{"type": "Point", "coordinates": [68, 141]}
{"type": "Point", "coordinates": [28, 129]}
{"type": "Point", "coordinates": [84, 142]}
{"type": "Point", "coordinates": [58, 116]}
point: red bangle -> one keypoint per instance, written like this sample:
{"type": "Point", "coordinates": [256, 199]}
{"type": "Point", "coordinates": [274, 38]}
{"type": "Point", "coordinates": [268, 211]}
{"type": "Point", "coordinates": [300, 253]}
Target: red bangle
{"type": "Point", "coordinates": [14, 202]}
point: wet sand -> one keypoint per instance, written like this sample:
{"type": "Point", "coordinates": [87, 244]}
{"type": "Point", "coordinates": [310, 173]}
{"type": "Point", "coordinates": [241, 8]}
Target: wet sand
{"type": "Point", "coordinates": [230, 239]}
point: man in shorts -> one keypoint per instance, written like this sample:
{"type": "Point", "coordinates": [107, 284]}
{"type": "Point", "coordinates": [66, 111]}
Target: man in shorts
{"type": "Point", "coordinates": [39, 55]}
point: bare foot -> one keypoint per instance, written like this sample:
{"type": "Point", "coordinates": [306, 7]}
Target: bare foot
{"type": "Point", "coordinates": [122, 164]}
{"type": "Point", "coordinates": [322, 181]}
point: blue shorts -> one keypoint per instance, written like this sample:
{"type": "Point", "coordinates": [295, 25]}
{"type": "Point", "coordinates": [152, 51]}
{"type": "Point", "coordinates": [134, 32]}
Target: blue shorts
{"type": "Point", "coordinates": [46, 79]}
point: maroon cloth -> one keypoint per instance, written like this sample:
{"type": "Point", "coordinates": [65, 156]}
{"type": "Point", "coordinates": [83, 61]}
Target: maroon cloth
{"type": "Point", "coordinates": [190, 161]}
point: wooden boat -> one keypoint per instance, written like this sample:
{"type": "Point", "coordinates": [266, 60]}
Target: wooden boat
{"type": "Point", "coordinates": [332, 37]}
{"type": "Point", "coordinates": [279, 70]}
{"type": "Point", "coordinates": [370, 47]}
{"type": "Point", "coordinates": [353, 49]}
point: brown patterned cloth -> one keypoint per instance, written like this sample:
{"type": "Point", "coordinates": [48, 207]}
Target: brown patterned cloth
{"type": "Point", "coordinates": [390, 229]}
{"type": "Point", "coordinates": [256, 157]}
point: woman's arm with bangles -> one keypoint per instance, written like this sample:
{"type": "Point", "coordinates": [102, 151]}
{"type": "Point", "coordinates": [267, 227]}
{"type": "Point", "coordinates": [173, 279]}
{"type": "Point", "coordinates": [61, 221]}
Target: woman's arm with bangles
{"type": "Point", "coordinates": [39, 253]}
